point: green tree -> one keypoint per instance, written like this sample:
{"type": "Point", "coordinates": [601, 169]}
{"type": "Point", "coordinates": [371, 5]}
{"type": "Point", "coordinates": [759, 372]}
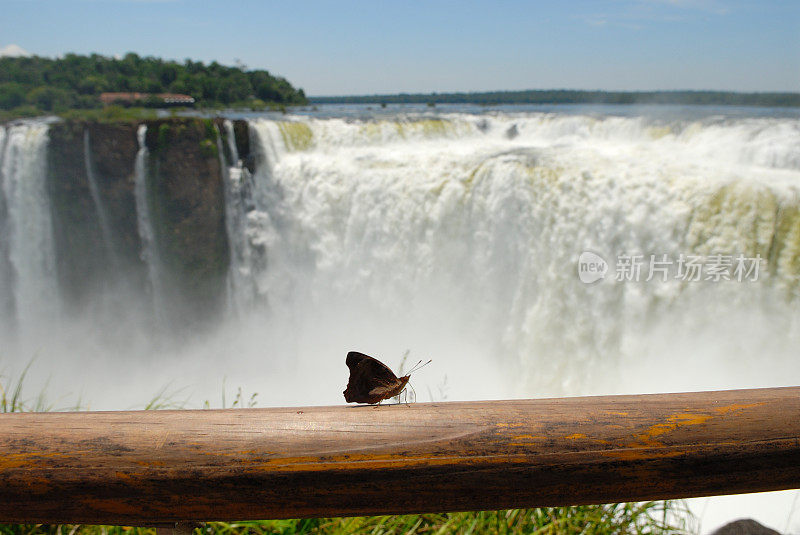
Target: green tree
{"type": "Point", "coordinates": [75, 80]}
{"type": "Point", "coordinates": [11, 95]}
{"type": "Point", "coordinates": [50, 98]}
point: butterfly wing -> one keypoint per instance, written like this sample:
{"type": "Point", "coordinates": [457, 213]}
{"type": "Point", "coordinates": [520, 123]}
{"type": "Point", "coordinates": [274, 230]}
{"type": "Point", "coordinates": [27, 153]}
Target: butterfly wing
{"type": "Point", "coordinates": [369, 379]}
{"type": "Point", "coordinates": [354, 357]}
{"type": "Point", "coordinates": [374, 367]}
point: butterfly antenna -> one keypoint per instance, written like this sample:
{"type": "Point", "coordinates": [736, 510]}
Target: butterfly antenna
{"type": "Point", "coordinates": [418, 366]}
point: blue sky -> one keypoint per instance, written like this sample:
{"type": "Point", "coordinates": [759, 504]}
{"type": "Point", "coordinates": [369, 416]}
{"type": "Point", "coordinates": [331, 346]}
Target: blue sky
{"type": "Point", "coordinates": [361, 47]}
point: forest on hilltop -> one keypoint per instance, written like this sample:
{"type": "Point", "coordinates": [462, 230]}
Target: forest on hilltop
{"type": "Point", "coordinates": [33, 85]}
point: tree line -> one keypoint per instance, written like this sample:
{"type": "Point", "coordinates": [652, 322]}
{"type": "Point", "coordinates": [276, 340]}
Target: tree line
{"type": "Point", "coordinates": [30, 84]}
{"type": "Point", "coordinates": [564, 96]}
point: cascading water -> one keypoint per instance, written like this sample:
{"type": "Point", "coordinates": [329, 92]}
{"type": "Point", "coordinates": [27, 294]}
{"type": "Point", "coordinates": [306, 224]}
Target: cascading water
{"type": "Point", "coordinates": [149, 251]}
{"type": "Point", "coordinates": [238, 203]}
{"type": "Point", "coordinates": [459, 240]}
{"type": "Point", "coordinates": [6, 276]}
{"type": "Point", "coordinates": [231, 138]}
{"type": "Point", "coordinates": [32, 296]}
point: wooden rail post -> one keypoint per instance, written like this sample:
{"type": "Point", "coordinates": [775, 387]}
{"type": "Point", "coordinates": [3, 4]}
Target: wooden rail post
{"type": "Point", "coordinates": [162, 467]}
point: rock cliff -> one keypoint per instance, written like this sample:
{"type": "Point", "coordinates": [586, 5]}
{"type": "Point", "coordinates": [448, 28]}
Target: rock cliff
{"type": "Point", "coordinates": [91, 180]}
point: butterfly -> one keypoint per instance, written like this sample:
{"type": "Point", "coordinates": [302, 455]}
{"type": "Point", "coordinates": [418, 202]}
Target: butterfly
{"type": "Point", "coordinates": [371, 381]}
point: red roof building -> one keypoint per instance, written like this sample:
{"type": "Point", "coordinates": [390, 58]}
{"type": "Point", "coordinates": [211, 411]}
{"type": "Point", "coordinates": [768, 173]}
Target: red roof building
{"type": "Point", "coordinates": [130, 98]}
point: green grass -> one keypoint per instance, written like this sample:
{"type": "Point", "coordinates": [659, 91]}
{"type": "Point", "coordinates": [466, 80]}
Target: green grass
{"type": "Point", "coordinates": [661, 517]}
{"type": "Point", "coordinates": [110, 114]}
{"type": "Point", "coordinates": [21, 112]}
{"type": "Point", "coordinates": [125, 114]}
{"type": "Point", "coordinates": [621, 519]}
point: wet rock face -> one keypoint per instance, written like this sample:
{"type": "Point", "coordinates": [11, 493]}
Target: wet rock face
{"type": "Point", "coordinates": [88, 260]}
{"type": "Point", "coordinates": [114, 148]}
{"type": "Point", "coordinates": [186, 199]}
{"type": "Point", "coordinates": [242, 137]}
{"type": "Point", "coordinates": [241, 133]}
{"type": "Point", "coordinates": [76, 229]}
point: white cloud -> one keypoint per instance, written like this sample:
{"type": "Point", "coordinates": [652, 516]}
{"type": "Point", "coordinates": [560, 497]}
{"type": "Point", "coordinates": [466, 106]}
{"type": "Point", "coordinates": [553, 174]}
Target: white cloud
{"type": "Point", "coordinates": [13, 51]}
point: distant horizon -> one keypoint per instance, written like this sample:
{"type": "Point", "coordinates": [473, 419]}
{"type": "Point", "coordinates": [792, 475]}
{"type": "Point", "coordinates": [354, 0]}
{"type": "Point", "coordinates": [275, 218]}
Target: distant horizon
{"type": "Point", "coordinates": [554, 89]}
{"type": "Point", "coordinates": [353, 48]}
{"type": "Point", "coordinates": [13, 50]}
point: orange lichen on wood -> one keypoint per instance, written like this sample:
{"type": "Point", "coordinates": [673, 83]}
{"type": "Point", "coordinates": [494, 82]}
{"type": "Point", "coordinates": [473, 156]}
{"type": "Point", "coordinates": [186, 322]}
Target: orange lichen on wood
{"type": "Point", "coordinates": [157, 467]}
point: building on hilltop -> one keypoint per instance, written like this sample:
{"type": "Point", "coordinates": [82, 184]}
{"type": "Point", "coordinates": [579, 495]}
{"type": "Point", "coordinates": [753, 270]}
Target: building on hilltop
{"type": "Point", "coordinates": [176, 98]}
{"type": "Point", "coordinates": [165, 99]}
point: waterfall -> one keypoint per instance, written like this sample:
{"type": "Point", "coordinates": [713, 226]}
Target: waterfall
{"type": "Point", "coordinates": [6, 273]}
{"type": "Point", "coordinates": [28, 231]}
{"type": "Point", "coordinates": [149, 251]}
{"type": "Point", "coordinates": [231, 137]}
{"type": "Point", "coordinates": [249, 222]}
{"type": "Point", "coordinates": [239, 295]}
{"type": "Point", "coordinates": [449, 235]}
{"type": "Point", "coordinates": [265, 222]}
{"type": "Point", "coordinates": [102, 215]}
{"type": "Point", "coordinates": [456, 236]}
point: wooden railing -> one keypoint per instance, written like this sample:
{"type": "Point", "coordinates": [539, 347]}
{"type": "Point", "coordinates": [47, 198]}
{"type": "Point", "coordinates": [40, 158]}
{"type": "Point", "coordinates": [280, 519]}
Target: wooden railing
{"type": "Point", "coordinates": [161, 467]}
